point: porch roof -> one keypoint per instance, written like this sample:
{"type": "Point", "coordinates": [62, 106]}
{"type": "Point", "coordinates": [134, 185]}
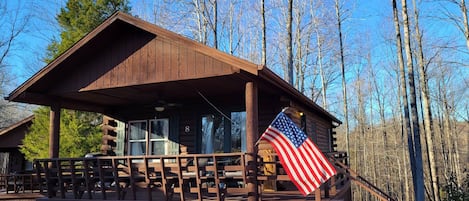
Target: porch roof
{"type": "Point", "coordinates": [127, 62]}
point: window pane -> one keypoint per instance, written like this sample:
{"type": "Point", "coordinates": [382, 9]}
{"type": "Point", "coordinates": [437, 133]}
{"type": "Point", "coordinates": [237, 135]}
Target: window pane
{"type": "Point", "coordinates": [120, 138]}
{"type": "Point", "coordinates": [138, 130]}
{"type": "Point", "coordinates": [212, 134]}
{"type": "Point", "coordinates": [158, 148]}
{"type": "Point", "coordinates": [238, 131]}
{"type": "Point", "coordinates": [137, 148]}
{"type": "Point", "coordinates": [159, 129]}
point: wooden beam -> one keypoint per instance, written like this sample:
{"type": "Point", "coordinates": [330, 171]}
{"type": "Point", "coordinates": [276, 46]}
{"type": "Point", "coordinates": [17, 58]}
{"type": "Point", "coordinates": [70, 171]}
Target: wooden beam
{"type": "Point", "coordinates": [54, 136]}
{"type": "Point", "coordinates": [251, 137]}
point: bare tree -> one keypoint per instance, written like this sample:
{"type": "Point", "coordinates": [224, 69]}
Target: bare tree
{"type": "Point", "coordinates": [13, 22]}
{"type": "Point", "coordinates": [427, 114]}
{"type": "Point", "coordinates": [319, 44]}
{"type": "Point", "coordinates": [463, 7]}
{"type": "Point", "coordinates": [264, 40]}
{"type": "Point", "coordinates": [407, 126]}
{"type": "Point", "coordinates": [289, 22]}
{"type": "Point", "coordinates": [417, 170]}
{"type": "Point", "coordinates": [338, 12]}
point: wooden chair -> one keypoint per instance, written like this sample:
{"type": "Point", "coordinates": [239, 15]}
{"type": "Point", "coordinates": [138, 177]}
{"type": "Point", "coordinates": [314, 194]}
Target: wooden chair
{"type": "Point", "coordinates": [53, 182]}
{"type": "Point", "coordinates": [91, 175]}
{"type": "Point", "coordinates": [105, 173]}
{"type": "Point", "coordinates": [40, 179]}
{"type": "Point", "coordinates": [232, 173]}
{"type": "Point", "coordinates": [172, 177]}
{"type": "Point", "coordinates": [75, 174]}
{"type": "Point", "coordinates": [153, 173]}
{"type": "Point", "coordinates": [137, 173]}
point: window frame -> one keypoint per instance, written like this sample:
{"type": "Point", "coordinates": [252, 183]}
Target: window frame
{"type": "Point", "coordinates": [148, 140]}
{"type": "Point", "coordinates": [131, 141]}
{"type": "Point", "coordinates": [165, 138]}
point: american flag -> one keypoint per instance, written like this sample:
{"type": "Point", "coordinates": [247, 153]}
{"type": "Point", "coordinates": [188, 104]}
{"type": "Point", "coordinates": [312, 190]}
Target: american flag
{"type": "Point", "coordinates": [304, 163]}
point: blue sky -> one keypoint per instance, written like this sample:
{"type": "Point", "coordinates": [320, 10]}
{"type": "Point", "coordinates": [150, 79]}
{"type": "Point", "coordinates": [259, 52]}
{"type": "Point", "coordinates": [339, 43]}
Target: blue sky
{"type": "Point", "coordinates": [370, 19]}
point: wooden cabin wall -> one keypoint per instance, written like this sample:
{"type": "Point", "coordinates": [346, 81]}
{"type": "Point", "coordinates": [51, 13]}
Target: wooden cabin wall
{"type": "Point", "coordinates": [187, 136]}
{"type": "Point", "coordinates": [317, 128]}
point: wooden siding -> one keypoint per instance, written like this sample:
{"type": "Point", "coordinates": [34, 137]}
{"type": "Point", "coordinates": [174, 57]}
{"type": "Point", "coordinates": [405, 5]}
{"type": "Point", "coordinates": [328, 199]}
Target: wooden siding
{"type": "Point", "coordinates": [156, 61]}
{"type": "Point", "coordinates": [318, 127]}
{"type": "Point", "coordinates": [187, 140]}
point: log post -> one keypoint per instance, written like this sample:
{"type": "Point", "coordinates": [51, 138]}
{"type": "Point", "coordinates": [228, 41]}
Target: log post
{"type": "Point", "coordinates": [54, 130]}
{"type": "Point", "coordinates": [251, 138]}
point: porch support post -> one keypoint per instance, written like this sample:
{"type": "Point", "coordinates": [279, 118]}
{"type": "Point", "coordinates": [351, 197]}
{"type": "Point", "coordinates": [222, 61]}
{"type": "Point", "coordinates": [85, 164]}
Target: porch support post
{"type": "Point", "coordinates": [54, 130]}
{"type": "Point", "coordinates": [251, 138]}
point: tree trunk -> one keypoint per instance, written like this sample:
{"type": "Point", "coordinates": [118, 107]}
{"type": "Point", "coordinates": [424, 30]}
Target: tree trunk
{"type": "Point", "coordinates": [427, 114]}
{"type": "Point", "coordinates": [319, 43]}
{"type": "Point", "coordinates": [463, 7]}
{"type": "Point", "coordinates": [382, 116]}
{"type": "Point", "coordinates": [415, 144]}
{"type": "Point", "coordinates": [289, 73]}
{"type": "Point", "coordinates": [342, 68]}
{"type": "Point", "coordinates": [264, 40]}
{"type": "Point", "coordinates": [403, 91]}
{"type": "Point", "coordinates": [215, 24]}
{"type": "Point", "coordinates": [230, 33]}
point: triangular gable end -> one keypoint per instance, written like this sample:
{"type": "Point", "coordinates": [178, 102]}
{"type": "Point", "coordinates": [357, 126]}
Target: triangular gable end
{"type": "Point", "coordinates": [125, 51]}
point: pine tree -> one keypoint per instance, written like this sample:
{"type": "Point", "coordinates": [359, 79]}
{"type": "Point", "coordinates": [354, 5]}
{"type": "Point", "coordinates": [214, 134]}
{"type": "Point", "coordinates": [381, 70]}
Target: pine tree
{"type": "Point", "coordinates": [80, 134]}
{"type": "Point", "coordinates": [80, 17]}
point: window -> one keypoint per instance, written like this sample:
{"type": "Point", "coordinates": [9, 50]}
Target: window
{"type": "Point", "coordinates": [137, 138]}
{"type": "Point", "coordinates": [238, 132]}
{"type": "Point", "coordinates": [149, 135]}
{"type": "Point", "coordinates": [219, 135]}
{"type": "Point", "coordinates": [159, 130]}
{"type": "Point", "coordinates": [212, 134]}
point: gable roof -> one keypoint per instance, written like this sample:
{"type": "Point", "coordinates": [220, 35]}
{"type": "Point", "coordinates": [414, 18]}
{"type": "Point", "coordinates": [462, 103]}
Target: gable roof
{"type": "Point", "coordinates": [13, 135]}
{"type": "Point", "coordinates": [116, 20]}
{"type": "Point", "coordinates": [88, 82]}
{"type": "Point", "coordinates": [16, 125]}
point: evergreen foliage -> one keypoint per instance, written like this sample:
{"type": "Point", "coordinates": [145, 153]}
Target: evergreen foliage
{"type": "Point", "coordinates": [78, 18]}
{"type": "Point", "coordinates": [80, 133]}
{"type": "Point", "coordinates": [454, 192]}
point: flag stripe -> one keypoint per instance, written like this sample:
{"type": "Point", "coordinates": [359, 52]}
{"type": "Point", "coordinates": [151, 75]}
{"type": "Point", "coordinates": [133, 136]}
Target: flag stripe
{"type": "Point", "coordinates": [324, 162]}
{"type": "Point", "coordinates": [286, 163]}
{"type": "Point", "coordinates": [294, 156]}
{"type": "Point", "coordinates": [305, 164]}
{"type": "Point", "coordinates": [318, 163]}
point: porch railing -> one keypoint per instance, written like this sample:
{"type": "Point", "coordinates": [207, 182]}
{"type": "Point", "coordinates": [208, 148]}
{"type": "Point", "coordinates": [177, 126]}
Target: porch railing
{"type": "Point", "coordinates": [18, 182]}
{"type": "Point", "coordinates": [217, 175]}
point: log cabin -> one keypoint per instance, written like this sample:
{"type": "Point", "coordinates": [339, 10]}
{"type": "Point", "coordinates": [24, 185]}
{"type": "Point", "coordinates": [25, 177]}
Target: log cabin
{"type": "Point", "coordinates": [165, 95]}
{"type": "Point", "coordinates": [11, 139]}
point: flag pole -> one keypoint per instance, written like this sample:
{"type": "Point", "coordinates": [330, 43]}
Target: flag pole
{"type": "Point", "coordinates": [258, 141]}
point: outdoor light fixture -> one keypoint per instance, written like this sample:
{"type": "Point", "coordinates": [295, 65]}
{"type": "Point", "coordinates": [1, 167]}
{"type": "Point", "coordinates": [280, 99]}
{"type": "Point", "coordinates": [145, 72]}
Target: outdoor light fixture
{"type": "Point", "coordinates": [159, 108]}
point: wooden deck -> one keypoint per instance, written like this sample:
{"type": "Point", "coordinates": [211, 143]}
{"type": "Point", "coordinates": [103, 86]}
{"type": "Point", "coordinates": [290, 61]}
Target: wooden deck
{"type": "Point", "coordinates": [280, 195]}
{"type": "Point", "coordinates": [179, 177]}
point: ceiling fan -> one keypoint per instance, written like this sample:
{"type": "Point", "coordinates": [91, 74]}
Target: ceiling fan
{"type": "Point", "coordinates": [161, 105]}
